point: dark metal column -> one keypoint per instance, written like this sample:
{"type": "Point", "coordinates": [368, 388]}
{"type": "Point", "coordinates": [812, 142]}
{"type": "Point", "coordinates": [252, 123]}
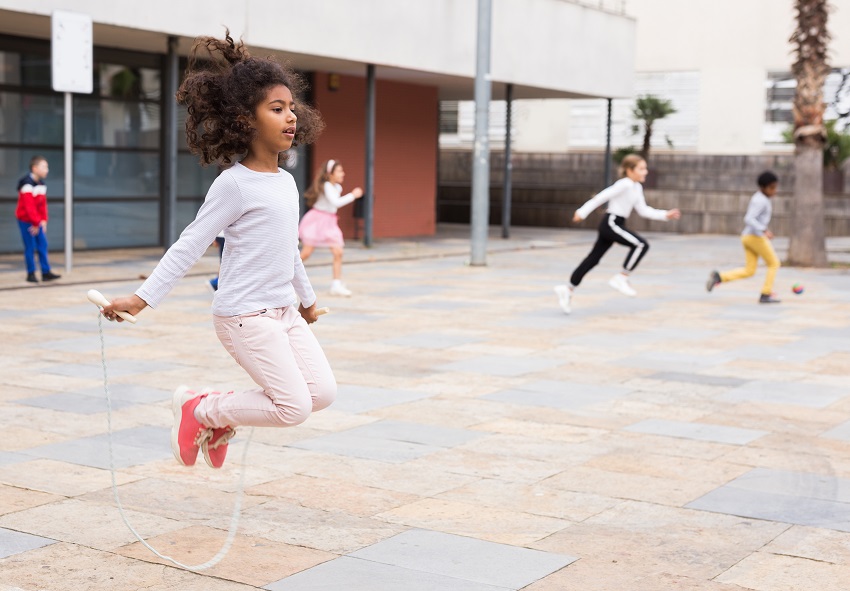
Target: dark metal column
{"type": "Point", "coordinates": [506, 190]}
{"type": "Point", "coordinates": [168, 221]}
{"type": "Point", "coordinates": [608, 147]}
{"type": "Point", "coordinates": [369, 196]}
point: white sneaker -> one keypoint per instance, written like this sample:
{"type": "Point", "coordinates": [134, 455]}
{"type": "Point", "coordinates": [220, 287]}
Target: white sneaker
{"type": "Point", "coordinates": [338, 289]}
{"type": "Point", "coordinates": [621, 283]}
{"type": "Point", "coordinates": [564, 297]}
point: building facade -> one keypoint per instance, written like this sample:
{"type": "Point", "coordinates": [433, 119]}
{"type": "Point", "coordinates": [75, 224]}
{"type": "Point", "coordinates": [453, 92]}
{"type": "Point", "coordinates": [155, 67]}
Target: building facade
{"type": "Point", "coordinates": [421, 53]}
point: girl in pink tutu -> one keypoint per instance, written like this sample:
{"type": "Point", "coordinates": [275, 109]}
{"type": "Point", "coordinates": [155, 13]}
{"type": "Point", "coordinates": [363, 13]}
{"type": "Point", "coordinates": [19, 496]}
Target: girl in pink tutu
{"type": "Point", "coordinates": [319, 226]}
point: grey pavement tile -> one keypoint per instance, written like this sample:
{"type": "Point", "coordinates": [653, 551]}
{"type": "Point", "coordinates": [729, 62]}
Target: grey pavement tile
{"type": "Point", "coordinates": [10, 457]}
{"type": "Point", "coordinates": [799, 352]}
{"type": "Point", "coordinates": [416, 433]}
{"type": "Point", "coordinates": [353, 574]}
{"type": "Point", "coordinates": [774, 506]}
{"type": "Point", "coordinates": [841, 431]}
{"type": "Point", "coordinates": [94, 452]}
{"type": "Point", "coordinates": [439, 304]}
{"type": "Point", "coordinates": [115, 368]}
{"type": "Point", "coordinates": [133, 393]}
{"type": "Point", "coordinates": [413, 290]}
{"type": "Point", "coordinates": [558, 394]}
{"type": "Point", "coordinates": [347, 317]}
{"type": "Point", "coordinates": [839, 333]}
{"type": "Point", "coordinates": [154, 438]}
{"type": "Point", "coordinates": [664, 360]}
{"type": "Point", "coordinates": [76, 403]}
{"type": "Point", "coordinates": [433, 340]}
{"type": "Point", "coordinates": [358, 399]}
{"type": "Point", "coordinates": [502, 366]}
{"type": "Point", "coordinates": [794, 393]}
{"type": "Point", "coordinates": [695, 378]}
{"type": "Point", "coordinates": [370, 448]}
{"type": "Point", "coordinates": [90, 343]}
{"type": "Point", "coordinates": [697, 431]}
{"type": "Point", "coordinates": [464, 558]}
{"type": "Point", "coordinates": [14, 542]}
{"type": "Point", "coordinates": [798, 484]}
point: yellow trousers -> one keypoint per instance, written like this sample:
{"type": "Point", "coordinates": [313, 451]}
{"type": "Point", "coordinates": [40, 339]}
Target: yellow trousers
{"type": "Point", "coordinates": [755, 247]}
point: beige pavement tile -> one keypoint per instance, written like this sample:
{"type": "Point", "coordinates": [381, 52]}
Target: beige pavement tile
{"type": "Point", "coordinates": [17, 437]}
{"type": "Point", "coordinates": [620, 485]}
{"type": "Point", "coordinates": [331, 531]}
{"type": "Point", "coordinates": [333, 495]}
{"type": "Point", "coordinates": [180, 501]}
{"type": "Point", "coordinates": [545, 450]}
{"type": "Point", "coordinates": [14, 499]}
{"type": "Point", "coordinates": [542, 430]}
{"type": "Point", "coordinates": [762, 571]}
{"type": "Point", "coordinates": [594, 574]}
{"type": "Point", "coordinates": [89, 524]}
{"type": "Point", "coordinates": [250, 560]}
{"type": "Point", "coordinates": [668, 467]}
{"type": "Point", "coordinates": [820, 544]}
{"type": "Point", "coordinates": [476, 521]}
{"type": "Point", "coordinates": [67, 424]}
{"type": "Point", "coordinates": [835, 364]}
{"type": "Point", "coordinates": [67, 567]}
{"type": "Point", "coordinates": [535, 499]}
{"type": "Point", "coordinates": [420, 479]}
{"type": "Point", "coordinates": [646, 539]}
{"type": "Point", "coordinates": [60, 478]}
{"type": "Point", "coordinates": [446, 412]}
{"type": "Point", "coordinates": [777, 418]}
{"type": "Point", "coordinates": [809, 460]}
{"type": "Point", "coordinates": [487, 465]}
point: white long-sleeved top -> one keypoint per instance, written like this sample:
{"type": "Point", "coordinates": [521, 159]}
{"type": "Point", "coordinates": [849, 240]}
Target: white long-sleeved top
{"type": "Point", "coordinates": [622, 197]}
{"type": "Point", "coordinates": [758, 215]}
{"type": "Point", "coordinates": [261, 266]}
{"type": "Point", "coordinates": [331, 198]}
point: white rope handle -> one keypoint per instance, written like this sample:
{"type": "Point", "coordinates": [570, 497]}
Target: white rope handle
{"type": "Point", "coordinates": [237, 509]}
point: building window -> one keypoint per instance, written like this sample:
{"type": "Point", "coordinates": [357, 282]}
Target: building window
{"type": "Point", "coordinates": [449, 117]}
{"type": "Point", "coordinates": [780, 88]}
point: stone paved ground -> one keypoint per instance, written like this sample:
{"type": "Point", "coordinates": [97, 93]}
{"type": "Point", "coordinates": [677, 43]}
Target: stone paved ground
{"type": "Point", "coordinates": [481, 440]}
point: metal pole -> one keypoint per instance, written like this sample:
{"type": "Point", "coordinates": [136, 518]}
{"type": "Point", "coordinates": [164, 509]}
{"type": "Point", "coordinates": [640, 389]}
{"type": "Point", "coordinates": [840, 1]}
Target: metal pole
{"type": "Point", "coordinates": [369, 203]}
{"type": "Point", "coordinates": [506, 192]}
{"type": "Point", "coordinates": [69, 181]}
{"type": "Point", "coordinates": [608, 147]}
{"type": "Point", "coordinates": [169, 146]}
{"type": "Point", "coordinates": [480, 214]}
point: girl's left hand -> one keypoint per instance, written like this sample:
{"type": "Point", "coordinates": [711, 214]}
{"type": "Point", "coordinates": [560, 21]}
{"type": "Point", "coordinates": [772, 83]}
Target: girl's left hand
{"type": "Point", "coordinates": [308, 314]}
{"type": "Point", "coordinates": [674, 214]}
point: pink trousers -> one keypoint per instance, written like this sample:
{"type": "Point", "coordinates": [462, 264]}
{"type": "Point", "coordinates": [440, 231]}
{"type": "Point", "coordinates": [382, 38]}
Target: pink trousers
{"type": "Point", "coordinates": [280, 353]}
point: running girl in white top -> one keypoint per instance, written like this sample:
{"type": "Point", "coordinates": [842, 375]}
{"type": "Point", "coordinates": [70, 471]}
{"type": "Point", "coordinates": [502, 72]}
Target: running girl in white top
{"type": "Point", "coordinates": [622, 197]}
{"type": "Point", "coordinates": [320, 225]}
{"type": "Point", "coordinates": [245, 107]}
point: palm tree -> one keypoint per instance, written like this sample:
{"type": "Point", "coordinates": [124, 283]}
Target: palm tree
{"type": "Point", "coordinates": [649, 109]}
{"type": "Point", "coordinates": [807, 246]}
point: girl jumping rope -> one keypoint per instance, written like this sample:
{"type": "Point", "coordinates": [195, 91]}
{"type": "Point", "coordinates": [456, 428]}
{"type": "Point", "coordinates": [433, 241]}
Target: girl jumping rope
{"type": "Point", "coordinates": [622, 197]}
{"type": "Point", "coordinates": [245, 107]}
{"type": "Point", "coordinates": [320, 226]}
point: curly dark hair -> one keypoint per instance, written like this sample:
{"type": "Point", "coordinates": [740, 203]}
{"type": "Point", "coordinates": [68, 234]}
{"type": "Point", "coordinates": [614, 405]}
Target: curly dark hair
{"type": "Point", "coordinates": [222, 91]}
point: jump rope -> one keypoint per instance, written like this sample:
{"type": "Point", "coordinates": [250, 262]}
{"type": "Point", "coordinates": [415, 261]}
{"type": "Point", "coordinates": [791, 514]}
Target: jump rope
{"type": "Point", "coordinates": [99, 300]}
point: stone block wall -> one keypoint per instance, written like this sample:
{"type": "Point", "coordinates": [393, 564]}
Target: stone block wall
{"type": "Point", "coordinates": [711, 191]}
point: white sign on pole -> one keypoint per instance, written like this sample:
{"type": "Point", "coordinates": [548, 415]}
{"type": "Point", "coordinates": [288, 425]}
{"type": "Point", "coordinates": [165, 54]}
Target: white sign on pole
{"type": "Point", "coordinates": [71, 52]}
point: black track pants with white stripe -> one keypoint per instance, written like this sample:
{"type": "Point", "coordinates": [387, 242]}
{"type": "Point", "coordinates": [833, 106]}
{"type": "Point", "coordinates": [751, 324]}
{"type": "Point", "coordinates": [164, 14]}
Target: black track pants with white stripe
{"type": "Point", "coordinates": [612, 229]}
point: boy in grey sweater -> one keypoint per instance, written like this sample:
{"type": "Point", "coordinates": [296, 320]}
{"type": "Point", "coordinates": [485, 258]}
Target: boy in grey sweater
{"type": "Point", "coordinates": [756, 240]}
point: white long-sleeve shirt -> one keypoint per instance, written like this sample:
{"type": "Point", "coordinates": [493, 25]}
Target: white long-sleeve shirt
{"type": "Point", "coordinates": [758, 215]}
{"type": "Point", "coordinates": [261, 266]}
{"type": "Point", "coordinates": [331, 198]}
{"type": "Point", "coordinates": [622, 197]}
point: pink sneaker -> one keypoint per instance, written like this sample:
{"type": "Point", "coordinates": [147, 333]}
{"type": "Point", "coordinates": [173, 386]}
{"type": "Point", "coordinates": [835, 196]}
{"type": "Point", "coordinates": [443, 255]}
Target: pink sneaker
{"type": "Point", "coordinates": [187, 433]}
{"type": "Point", "coordinates": [215, 446]}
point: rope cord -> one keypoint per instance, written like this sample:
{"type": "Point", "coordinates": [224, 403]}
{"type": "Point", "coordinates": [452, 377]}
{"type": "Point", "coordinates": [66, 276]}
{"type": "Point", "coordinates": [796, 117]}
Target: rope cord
{"type": "Point", "coordinates": [237, 509]}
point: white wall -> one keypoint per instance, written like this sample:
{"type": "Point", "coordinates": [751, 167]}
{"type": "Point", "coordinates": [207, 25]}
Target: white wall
{"type": "Point", "coordinates": [731, 45]}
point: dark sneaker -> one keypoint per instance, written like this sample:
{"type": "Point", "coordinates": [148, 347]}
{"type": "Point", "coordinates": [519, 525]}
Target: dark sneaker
{"type": "Point", "coordinates": [49, 276]}
{"type": "Point", "coordinates": [713, 280]}
{"type": "Point", "coordinates": [768, 298]}
{"type": "Point", "coordinates": [32, 278]}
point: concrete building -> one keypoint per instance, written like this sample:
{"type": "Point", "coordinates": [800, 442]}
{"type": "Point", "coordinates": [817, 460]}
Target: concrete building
{"type": "Point", "coordinates": [420, 52]}
{"type": "Point", "coordinates": [725, 65]}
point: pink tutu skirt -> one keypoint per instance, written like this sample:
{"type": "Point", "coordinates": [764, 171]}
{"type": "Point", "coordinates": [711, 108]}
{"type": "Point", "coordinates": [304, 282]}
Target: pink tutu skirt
{"type": "Point", "coordinates": [320, 228]}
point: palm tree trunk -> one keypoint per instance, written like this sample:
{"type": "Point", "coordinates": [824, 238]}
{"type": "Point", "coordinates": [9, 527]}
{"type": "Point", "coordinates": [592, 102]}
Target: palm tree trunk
{"type": "Point", "coordinates": [647, 139]}
{"type": "Point", "coordinates": [807, 247]}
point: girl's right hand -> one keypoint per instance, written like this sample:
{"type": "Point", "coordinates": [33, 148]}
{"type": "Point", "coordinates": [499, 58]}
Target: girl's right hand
{"type": "Point", "coordinates": [132, 304]}
{"type": "Point", "coordinates": [357, 192]}
{"type": "Point", "coordinates": [576, 217]}
{"type": "Point", "coordinates": [674, 214]}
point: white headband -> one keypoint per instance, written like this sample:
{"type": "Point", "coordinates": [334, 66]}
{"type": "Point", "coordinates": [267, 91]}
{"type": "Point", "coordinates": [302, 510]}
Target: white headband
{"type": "Point", "coordinates": [331, 164]}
